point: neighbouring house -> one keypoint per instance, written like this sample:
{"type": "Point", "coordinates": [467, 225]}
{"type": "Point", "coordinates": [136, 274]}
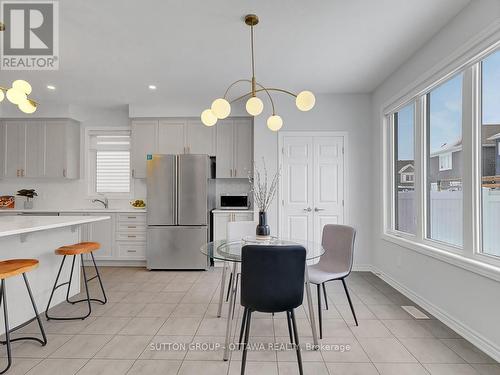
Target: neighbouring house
{"type": "Point", "coordinates": [405, 174]}
{"type": "Point", "coordinates": [445, 164]}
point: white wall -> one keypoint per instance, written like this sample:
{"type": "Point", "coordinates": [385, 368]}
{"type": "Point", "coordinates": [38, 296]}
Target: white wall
{"type": "Point", "coordinates": [350, 113]}
{"type": "Point", "coordinates": [463, 299]}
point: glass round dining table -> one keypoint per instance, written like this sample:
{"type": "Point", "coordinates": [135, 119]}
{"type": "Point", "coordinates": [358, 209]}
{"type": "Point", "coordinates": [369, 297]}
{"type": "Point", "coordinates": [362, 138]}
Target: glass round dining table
{"type": "Point", "coordinates": [230, 252]}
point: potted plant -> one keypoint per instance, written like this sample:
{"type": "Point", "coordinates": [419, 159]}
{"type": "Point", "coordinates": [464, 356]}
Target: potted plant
{"type": "Point", "coordinates": [264, 191]}
{"type": "Point", "coordinates": [29, 194]}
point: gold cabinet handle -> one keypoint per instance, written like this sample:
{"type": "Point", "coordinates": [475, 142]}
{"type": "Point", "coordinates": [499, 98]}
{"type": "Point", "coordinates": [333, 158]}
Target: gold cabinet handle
{"type": "Point", "coordinates": [131, 226]}
{"type": "Point", "coordinates": [64, 172]}
{"type": "Point", "coordinates": [131, 236]}
{"type": "Point", "coordinates": [18, 173]}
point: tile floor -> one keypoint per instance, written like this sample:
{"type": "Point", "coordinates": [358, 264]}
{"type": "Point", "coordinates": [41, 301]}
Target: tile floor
{"type": "Point", "coordinates": [151, 317]}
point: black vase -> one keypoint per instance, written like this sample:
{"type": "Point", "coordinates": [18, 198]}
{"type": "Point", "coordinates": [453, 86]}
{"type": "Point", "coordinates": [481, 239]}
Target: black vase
{"type": "Point", "coordinates": [263, 229]}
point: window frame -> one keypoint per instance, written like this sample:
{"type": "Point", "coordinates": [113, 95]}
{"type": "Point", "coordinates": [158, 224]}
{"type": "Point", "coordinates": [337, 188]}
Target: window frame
{"type": "Point", "coordinates": [470, 256]}
{"type": "Point", "coordinates": [90, 162]}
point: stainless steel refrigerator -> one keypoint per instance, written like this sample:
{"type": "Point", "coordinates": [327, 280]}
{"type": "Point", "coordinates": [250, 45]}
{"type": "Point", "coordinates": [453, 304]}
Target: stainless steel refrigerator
{"type": "Point", "coordinates": [179, 202]}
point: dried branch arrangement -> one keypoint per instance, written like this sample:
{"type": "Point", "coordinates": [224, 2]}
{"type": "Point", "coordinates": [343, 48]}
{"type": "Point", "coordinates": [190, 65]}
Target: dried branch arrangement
{"type": "Point", "coordinates": [263, 191]}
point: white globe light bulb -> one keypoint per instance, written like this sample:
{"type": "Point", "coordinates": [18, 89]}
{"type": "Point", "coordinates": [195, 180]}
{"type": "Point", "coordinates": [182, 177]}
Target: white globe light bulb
{"type": "Point", "coordinates": [27, 106]}
{"type": "Point", "coordinates": [2, 95]}
{"type": "Point", "coordinates": [274, 123]}
{"type": "Point", "coordinates": [208, 118]}
{"type": "Point", "coordinates": [305, 100]}
{"type": "Point", "coordinates": [22, 85]}
{"type": "Point", "coordinates": [16, 96]}
{"type": "Point", "coordinates": [254, 106]}
{"type": "Point", "coordinates": [221, 108]}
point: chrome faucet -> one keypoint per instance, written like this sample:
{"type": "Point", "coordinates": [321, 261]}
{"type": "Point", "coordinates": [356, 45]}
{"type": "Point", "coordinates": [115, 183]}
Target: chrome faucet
{"type": "Point", "coordinates": [105, 202]}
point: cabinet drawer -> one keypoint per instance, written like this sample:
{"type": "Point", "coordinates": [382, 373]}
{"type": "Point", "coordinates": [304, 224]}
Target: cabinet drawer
{"type": "Point", "coordinates": [131, 236]}
{"type": "Point", "coordinates": [132, 227]}
{"type": "Point", "coordinates": [131, 250]}
{"type": "Point", "coordinates": [132, 218]}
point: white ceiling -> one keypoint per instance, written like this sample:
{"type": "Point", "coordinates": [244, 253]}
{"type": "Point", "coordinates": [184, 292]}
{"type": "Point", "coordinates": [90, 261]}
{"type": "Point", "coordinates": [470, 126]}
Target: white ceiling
{"type": "Point", "coordinates": [111, 50]}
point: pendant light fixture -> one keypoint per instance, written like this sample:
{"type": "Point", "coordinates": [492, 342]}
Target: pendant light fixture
{"type": "Point", "coordinates": [221, 108]}
{"type": "Point", "coordinates": [18, 95]}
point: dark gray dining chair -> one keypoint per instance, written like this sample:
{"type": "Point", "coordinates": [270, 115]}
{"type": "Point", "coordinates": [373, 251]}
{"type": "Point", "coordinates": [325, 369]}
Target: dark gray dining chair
{"type": "Point", "coordinates": [335, 264]}
{"type": "Point", "coordinates": [272, 281]}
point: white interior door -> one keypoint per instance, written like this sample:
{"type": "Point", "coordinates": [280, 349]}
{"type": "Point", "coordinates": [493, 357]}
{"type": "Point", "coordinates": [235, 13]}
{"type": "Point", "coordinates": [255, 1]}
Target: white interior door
{"type": "Point", "coordinates": [297, 185]}
{"type": "Point", "coordinates": [312, 185]}
{"type": "Point", "coordinates": [328, 183]}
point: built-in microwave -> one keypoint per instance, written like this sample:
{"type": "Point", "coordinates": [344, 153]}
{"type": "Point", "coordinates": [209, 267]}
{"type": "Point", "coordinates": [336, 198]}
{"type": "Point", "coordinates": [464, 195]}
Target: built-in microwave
{"type": "Point", "coordinates": [234, 202]}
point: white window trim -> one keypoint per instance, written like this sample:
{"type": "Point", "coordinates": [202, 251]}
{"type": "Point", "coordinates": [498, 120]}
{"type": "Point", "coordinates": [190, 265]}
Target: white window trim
{"type": "Point", "coordinates": [470, 256]}
{"type": "Point", "coordinates": [90, 168]}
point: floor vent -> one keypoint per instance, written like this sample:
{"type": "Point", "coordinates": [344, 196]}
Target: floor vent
{"type": "Point", "coordinates": [416, 313]}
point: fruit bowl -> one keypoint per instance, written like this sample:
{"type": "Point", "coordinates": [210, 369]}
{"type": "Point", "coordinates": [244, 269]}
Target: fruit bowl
{"type": "Point", "coordinates": [138, 204]}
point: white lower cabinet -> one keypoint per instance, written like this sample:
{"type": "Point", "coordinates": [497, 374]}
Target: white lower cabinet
{"type": "Point", "coordinates": [122, 238]}
{"type": "Point", "coordinates": [222, 218]}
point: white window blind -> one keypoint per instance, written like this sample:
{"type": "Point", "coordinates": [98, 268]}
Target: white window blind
{"type": "Point", "coordinates": [111, 154]}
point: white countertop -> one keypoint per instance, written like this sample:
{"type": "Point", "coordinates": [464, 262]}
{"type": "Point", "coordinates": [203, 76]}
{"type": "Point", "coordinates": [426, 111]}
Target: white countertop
{"type": "Point", "coordinates": [89, 210]}
{"type": "Point", "coordinates": [219, 210]}
{"type": "Point", "coordinates": [12, 225]}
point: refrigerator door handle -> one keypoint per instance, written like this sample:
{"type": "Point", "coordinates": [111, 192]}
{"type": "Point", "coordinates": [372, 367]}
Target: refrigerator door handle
{"type": "Point", "coordinates": [174, 191]}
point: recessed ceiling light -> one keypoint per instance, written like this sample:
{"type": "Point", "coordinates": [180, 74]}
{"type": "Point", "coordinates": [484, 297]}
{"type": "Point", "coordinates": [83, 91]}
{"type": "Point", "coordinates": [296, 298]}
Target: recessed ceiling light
{"type": "Point", "coordinates": [51, 87]}
{"type": "Point", "coordinates": [152, 87]}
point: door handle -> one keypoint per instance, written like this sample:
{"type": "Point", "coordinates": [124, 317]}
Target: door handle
{"type": "Point", "coordinates": [308, 209]}
{"type": "Point", "coordinates": [316, 209]}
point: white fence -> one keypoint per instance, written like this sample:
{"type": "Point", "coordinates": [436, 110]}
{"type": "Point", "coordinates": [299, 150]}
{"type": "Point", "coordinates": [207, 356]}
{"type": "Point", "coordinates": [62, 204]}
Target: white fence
{"type": "Point", "coordinates": [446, 216]}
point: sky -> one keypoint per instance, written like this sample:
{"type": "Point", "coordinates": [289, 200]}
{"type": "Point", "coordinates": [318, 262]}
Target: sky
{"type": "Point", "coordinates": [446, 110]}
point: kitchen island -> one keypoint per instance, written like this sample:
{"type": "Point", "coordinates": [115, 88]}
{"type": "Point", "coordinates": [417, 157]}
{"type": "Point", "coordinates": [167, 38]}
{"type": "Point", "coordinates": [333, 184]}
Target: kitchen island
{"type": "Point", "coordinates": [36, 237]}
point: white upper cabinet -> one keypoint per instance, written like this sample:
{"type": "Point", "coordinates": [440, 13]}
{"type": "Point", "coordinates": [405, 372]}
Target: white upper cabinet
{"type": "Point", "coordinates": [200, 139]}
{"type": "Point", "coordinates": [243, 148]}
{"type": "Point", "coordinates": [144, 142]}
{"type": "Point", "coordinates": [62, 149]}
{"type": "Point", "coordinates": [172, 137]}
{"type": "Point", "coordinates": [225, 149]}
{"type": "Point", "coordinates": [234, 148]}
{"type": "Point", "coordinates": [47, 149]}
{"type": "Point", "coordinates": [168, 136]}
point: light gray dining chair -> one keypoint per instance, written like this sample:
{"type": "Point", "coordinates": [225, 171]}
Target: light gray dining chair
{"type": "Point", "coordinates": [335, 264]}
{"type": "Point", "coordinates": [235, 231]}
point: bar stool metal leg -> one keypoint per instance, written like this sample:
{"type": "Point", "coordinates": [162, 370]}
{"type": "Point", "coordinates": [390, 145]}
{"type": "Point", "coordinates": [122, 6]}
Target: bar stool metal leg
{"type": "Point", "coordinates": [54, 288]}
{"type": "Point", "coordinates": [7, 331]}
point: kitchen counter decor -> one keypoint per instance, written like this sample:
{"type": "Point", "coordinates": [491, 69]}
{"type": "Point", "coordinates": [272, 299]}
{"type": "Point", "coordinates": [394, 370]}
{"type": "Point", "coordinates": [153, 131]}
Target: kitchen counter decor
{"type": "Point", "coordinates": [29, 194]}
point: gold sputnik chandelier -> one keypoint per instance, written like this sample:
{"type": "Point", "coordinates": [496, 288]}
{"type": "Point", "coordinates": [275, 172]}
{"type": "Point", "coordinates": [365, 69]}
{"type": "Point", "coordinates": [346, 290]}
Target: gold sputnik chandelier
{"type": "Point", "coordinates": [221, 108]}
{"type": "Point", "coordinates": [18, 95]}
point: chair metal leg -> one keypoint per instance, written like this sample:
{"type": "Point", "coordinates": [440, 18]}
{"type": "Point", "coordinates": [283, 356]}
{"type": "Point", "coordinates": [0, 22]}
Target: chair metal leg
{"type": "Point", "coordinates": [221, 292]}
{"type": "Point", "coordinates": [228, 288]}
{"type": "Point", "coordinates": [245, 342]}
{"type": "Point", "coordinates": [99, 279]}
{"type": "Point", "coordinates": [289, 322]}
{"type": "Point", "coordinates": [7, 330]}
{"type": "Point", "coordinates": [70, 279]}
{"type": "Point", "coordinates": [243, 324]}
{"type": "Point", "coordinates": [37, 317]}
{"type": "Point", "coordinates": [97, 276]}
{"type": "Point", "coordinates": [297, 344]}
{"type": "Point", "coordinates": [54, 288]}
{"type": "Point", "coordinates": [350, 302]}
{"type": "Point", "coordinates": [235, 293]}
{"type": "Point", "coordinates": [320, 317]}
{"type": "Point", "coordinates": [324, 293]}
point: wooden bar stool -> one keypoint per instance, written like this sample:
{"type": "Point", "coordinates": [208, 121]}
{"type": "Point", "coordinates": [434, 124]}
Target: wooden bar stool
{"type": "Point", "coordinates": [10, 268]}
{"type": "Point", "coordinates": [74, 250]}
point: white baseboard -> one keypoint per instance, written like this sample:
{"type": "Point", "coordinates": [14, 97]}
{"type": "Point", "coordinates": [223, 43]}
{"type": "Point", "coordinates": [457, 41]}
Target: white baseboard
{"type": "Point", "coordinates": [116, 263]}
{"type": "Point", "coordinates": [463, 330]}
{"type": "Point", "coordinates": [362, 268]}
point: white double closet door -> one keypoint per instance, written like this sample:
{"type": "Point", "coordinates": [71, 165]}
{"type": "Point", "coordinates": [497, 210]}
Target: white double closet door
{"type": "Point", "coordinates": [312, 184]}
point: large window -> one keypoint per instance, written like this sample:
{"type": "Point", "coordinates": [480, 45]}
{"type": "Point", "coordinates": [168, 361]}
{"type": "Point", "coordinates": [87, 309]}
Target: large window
{"type": "Point", "coordinates": [404, 169]}
{"type": "Point", "coordinates": [490, 154]}
{"type": "Point", "coordinates": [109, 162]}
{"type": "Point", "coordinates": [444, 162]}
